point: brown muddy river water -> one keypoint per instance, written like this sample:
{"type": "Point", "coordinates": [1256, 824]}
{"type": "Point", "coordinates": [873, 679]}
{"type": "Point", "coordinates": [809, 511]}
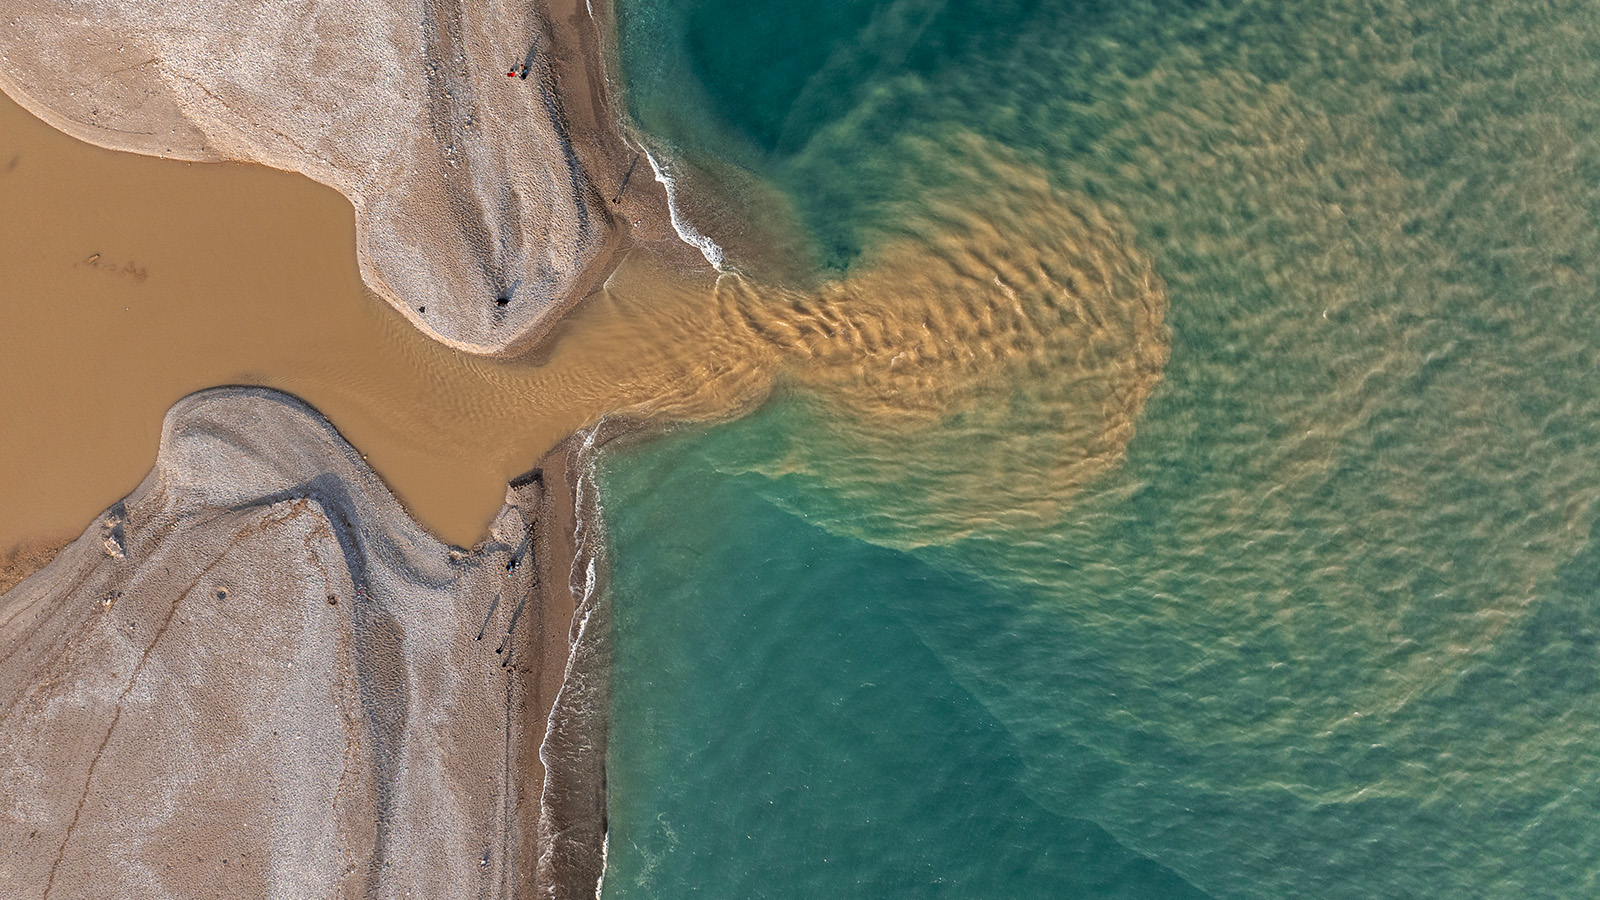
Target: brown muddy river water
{"type": "Point", "coordinates": [127, 282]}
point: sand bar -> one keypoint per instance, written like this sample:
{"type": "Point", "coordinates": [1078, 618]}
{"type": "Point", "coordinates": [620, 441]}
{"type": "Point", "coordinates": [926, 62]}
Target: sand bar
{"type": "Point", "coordinates": [484, 203]}
{"type": "Point", "coordinates": [261, 614]}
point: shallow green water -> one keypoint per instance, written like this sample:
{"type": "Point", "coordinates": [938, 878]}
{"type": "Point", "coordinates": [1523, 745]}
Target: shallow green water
{"type": "Point", "coordinates": [1329, 629]}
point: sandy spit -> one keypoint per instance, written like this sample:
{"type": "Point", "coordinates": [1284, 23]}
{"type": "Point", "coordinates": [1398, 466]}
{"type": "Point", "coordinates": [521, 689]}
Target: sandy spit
{"type": "Point", "coordinates": [486, 205]}
{"type": "Point", "coordinates": [258, 675]}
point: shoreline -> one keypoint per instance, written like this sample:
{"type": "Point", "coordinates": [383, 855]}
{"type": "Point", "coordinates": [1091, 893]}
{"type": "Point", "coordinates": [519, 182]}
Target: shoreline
{"type": "Point", "coordinates": [18, 563]}
{"type": "Point", "coordinates": [573, 827]}
{"type": "Point", "coordinates": [564, 828]}
{"type": "Point", "coordinates": [585, 69]}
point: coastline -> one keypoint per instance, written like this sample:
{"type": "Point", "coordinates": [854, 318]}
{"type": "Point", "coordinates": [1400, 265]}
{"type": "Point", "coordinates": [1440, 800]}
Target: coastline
{"type": "Point", "coordinates": [562, 804]}
{"type": "Point", "coordinates": [573, 826]}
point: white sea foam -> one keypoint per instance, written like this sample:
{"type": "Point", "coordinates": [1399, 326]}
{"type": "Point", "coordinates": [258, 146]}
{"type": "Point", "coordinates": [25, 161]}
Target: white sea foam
{"type": "Point", "coordinates": [589, 543]}
{"type": "Point", "coordinates": [707, 247]}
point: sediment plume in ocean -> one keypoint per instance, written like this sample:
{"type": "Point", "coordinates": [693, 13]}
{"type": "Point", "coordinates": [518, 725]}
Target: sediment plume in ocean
{"type": "Point", "coordinates": [258, 675]}
{"type": "Point", "coordinates": [393, 715]}
{"type": "Point", "coordinates": [260, 528]}
{"type": "Point", "coordinates": [994, 350]}
{"type": "Point", "coordinates": [481, 218]}
{"type": "Point", "coordinates": [464, 134]}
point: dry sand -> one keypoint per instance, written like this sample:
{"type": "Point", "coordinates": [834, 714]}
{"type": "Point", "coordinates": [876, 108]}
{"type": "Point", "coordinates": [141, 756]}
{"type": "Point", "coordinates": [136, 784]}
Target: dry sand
{"type": "Point", "coordinates": [258, 676]}
{"type": "Point", "coordinates": [483, 203]}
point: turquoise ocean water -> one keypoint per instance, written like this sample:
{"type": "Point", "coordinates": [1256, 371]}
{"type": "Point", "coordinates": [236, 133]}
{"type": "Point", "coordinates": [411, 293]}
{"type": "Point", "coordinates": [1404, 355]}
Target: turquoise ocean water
{"type": "Point", "coordinates": [1328, 626]}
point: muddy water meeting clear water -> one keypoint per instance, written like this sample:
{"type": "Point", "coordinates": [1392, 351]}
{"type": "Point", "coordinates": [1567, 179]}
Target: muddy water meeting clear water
{"type": "Point", "coordinates": [129, 282]}
{"type": "Point", "coordinates": [1329, 628]}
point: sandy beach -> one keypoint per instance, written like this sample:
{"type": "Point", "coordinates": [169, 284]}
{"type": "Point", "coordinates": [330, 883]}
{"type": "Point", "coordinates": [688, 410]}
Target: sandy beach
{"type": "Point", "coordinates": [259, 600]}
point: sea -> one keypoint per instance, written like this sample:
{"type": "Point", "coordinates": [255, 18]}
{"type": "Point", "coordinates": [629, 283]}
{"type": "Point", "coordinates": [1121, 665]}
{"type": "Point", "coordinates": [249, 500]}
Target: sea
{"type": "Point", "coordinates": [1196, 495]}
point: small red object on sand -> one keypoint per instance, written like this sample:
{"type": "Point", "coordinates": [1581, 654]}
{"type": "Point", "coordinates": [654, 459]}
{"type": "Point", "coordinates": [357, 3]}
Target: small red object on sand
{"type": "Point", "coordinates": [511, 74]}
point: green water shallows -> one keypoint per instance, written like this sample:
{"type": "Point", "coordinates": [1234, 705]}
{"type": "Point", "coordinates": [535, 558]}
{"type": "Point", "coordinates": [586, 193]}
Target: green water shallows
{"type": "Point", "coordinates": [1329, 630]}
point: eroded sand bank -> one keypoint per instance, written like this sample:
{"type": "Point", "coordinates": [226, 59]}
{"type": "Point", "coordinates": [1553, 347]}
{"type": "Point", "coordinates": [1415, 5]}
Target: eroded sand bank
{"type": "Point", "coordinates": [484, 203]}
{"type": "Point", "coordinates": [258, 674]}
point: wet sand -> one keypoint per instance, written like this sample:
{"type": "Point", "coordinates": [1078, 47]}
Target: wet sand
{"type": "Point", "coordinates": [21, 561]}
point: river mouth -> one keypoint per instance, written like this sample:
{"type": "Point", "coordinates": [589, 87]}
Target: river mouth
{"type": "Point", "coordinates": [131, 281]}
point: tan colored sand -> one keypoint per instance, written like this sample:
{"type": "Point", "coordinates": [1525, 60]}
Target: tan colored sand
{"type": "Point", "coordinates": [257, 676]}
{"type": "Point", "coordinates": [482, 212]}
